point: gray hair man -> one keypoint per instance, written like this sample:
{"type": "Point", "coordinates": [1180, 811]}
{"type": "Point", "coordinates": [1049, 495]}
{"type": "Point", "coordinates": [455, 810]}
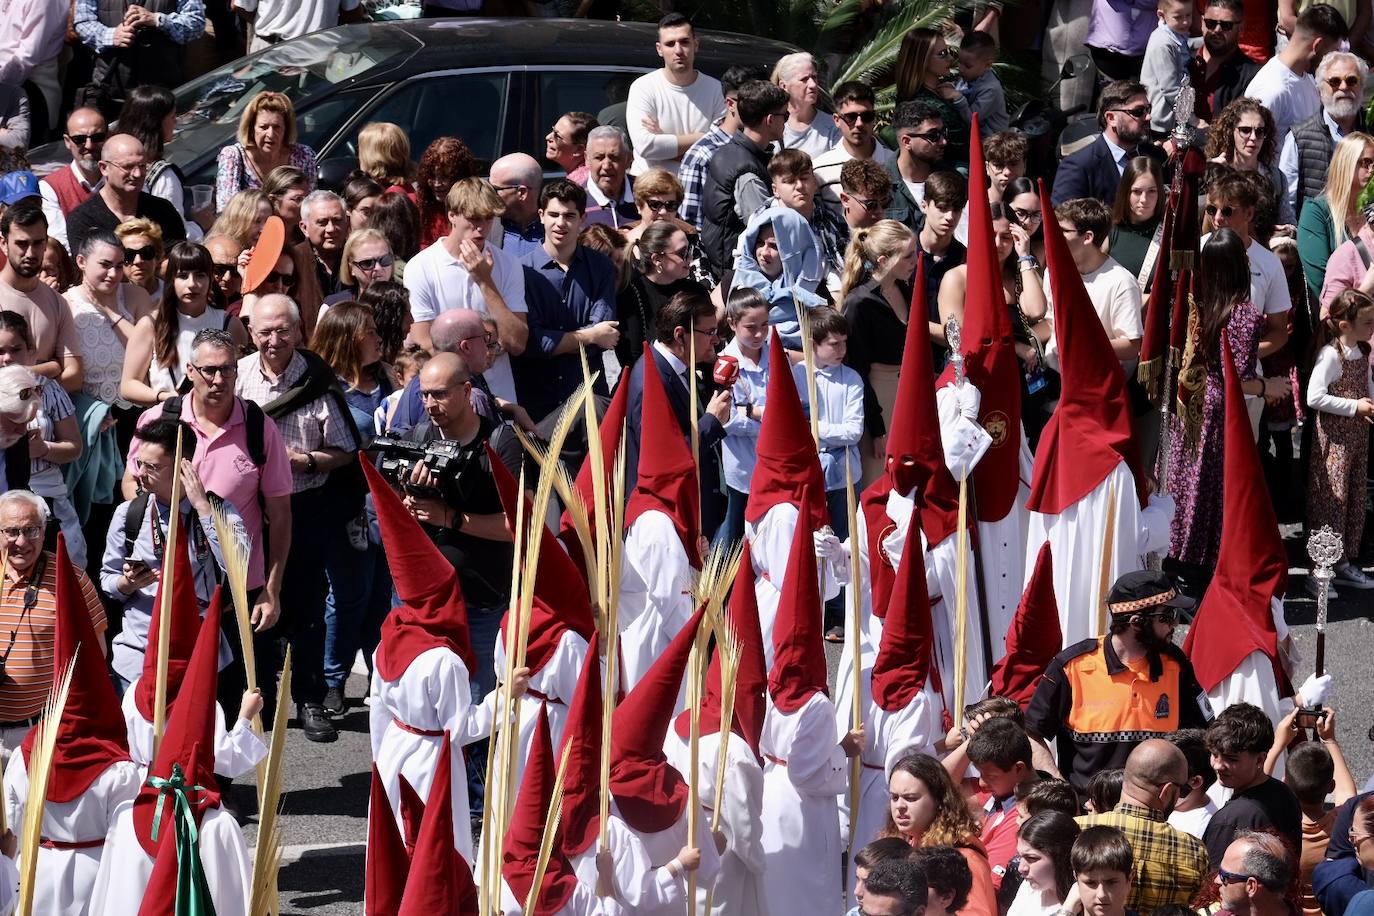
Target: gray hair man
{"type": "Point", "coordinates": [124, 167]}
{"type": "Point", "coordinates": [611, 198]}
{"type": "Point", "coordinates": [324, 225]}
{"type": "Point", "coordinates": [1252, 877]}
{"type": "Point", "coordinates": [1307, 149]}
{"type": "Point", "coordinates": [464, 332]}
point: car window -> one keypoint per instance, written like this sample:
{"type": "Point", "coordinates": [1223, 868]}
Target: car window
{"type": "Point", "coordinates": [470, 106]}
{"type": "Point", "coordinates": [592, 91]}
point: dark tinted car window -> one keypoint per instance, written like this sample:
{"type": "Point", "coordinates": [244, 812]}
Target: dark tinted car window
{"type": "Point", "coordinates": [591, 91]}
{"type": "Point", "coordinates": [470, 106]}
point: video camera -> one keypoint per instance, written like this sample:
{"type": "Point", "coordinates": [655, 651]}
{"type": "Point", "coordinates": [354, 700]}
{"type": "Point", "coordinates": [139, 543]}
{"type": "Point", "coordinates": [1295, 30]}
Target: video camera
{"type": "Point", "coordinates": [398, 458]}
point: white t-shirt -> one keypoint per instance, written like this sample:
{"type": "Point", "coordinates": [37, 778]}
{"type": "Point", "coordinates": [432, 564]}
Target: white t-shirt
{"type": "Point", "coordinates": [438, 281]}
{"type": "Point", "coordinates": [820, 136]}
{"type": "Point", "coordinates": [827, 168]}
{"type": "Point", "coordinates": [1115, 297]}
{"type": "Point", "coordinates": [294, 18]}
{"type": "Point", "coordinates": [1268, 283]}
{"type": "Point", "coordinates": [1292, 98]}
{"type": "Point", "coordinates": [1194, 822]}
{"type": "Point", "coordinates": [677, 109]}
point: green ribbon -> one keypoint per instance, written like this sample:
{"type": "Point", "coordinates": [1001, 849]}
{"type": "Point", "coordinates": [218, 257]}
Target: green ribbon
{"type": "Point", "coordinates": [193, 891]}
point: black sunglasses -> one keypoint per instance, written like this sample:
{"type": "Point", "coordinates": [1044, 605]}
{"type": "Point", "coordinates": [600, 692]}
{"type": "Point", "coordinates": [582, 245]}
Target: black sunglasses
{"type": "Point", "coordinates": [83, 139]}
{"type": "Point", "coordinates": [287, 281]}
{"type": "Point", "coordinates": [1213, 210]}
{"type": "Point", "coordinates": [658, 206]}
{"type": "Point", "coordinates": [1138, 112]}
{"type": "Point", "coordinates": [146, 253]}
{"type": "Point", "coordinates": [932, 136]}
{"type": "Point", "coordinates": [1247, 130]}
{"type": "Point", "coordinates": [1224, 25]}
{"type": "Point", "coordinates": [868, 116]}
{"type": "Point", "coordinates": [385, 260]}
{"type": "Point", "coordinates": [224, 270]}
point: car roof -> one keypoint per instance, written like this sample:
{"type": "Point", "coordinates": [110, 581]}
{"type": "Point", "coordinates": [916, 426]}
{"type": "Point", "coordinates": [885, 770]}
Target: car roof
{"type": "Point", "coordinates": [513, 43]}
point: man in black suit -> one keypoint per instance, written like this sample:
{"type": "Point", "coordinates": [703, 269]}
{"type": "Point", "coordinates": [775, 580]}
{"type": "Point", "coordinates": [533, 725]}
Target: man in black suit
{"type": "Point", "coordinates": [1095, 170]}
{"type": "Point", "coordinates": [687, 319]}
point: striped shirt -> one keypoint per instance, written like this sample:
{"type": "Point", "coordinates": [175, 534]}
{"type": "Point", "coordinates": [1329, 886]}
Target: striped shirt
{"type": "Point", "coordinates": [29, 659]}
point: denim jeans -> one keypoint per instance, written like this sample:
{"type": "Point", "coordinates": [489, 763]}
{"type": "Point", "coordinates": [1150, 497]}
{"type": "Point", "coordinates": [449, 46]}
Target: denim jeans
{"type": "Point", "coordinates": [484, 624]}
{"type": "Point", "coordinates": [837, 504]}
{"type": "Point", "coordinates": [359, 600]}
{"type": "Point", "coordinates": [732, 529]}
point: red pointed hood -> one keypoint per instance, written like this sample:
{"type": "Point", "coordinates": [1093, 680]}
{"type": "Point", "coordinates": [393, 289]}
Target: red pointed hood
{"type": "Point", "coordinates": [561, 600]}
{"type": "Point", "coordinates": [1090, 432]}
{"type": "Point", "coordinates": [160, 895]}
{"type": "Point", "coordinates": [990, 351]}
{"type": "Point", "coordinates": [1034, 638]}
{"type": "Point", "coordinates": [905, 654]}
{"type": "Point", "coordinates": [92, 734]}
{"type": "Point", "coordinates": [440, 879]}
{"type": "Point", "coordinates": [786, 461]}
{"type": "Point", "coordinates": [877, 526]}
{"type": "Point", "coordinates": [667, 478]}
{"type": "Point", "coordinates": [582, 742]}
{"type": "Point", "coordinates": [799, 670]}
{"type": "Point", "coordinates": [611, 428]}
{"type": "Point", "coordinates": [388, 864]}
{"type": "Point", "coordinates": [185, 609]}
{"type": "Point", "coordinates": [649, 791]}
{"type": "Point", "coordinates": [431, 613]}
{"type": "Point", "coordinates": [190, 725]}
{"type": "Point", "coordinates": [520, 857]}
{"type": "Point", "coordinates": [751, 684]}
{"type": "Point", "coordinates": [1235, 616]}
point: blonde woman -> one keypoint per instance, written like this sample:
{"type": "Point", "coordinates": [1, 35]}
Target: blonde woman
{"type": "Point", "coordinates": [658, 196]}
{"type": "Point", "coordinates": [143, 254]}
{"type": "Point", "coordinates": [266, 140]}
{"type": "Point", "coordinates": [367, 258]}
{"type": "Point", "coordinates": [923, 72]}
{"type": "Point", "coordinates": [384, 154]}
{"type": "Point", "coordinates": [1329, 219]}
{"type": "Point", "coordinates": [876, 289]}
{"type": "Point", "coordinates": [243, 217]}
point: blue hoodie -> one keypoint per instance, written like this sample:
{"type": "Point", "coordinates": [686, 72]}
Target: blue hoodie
{"type": "Point", "coordinates": [802, 269]}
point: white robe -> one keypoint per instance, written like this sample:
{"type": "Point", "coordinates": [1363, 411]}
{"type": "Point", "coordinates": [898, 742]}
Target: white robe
{"type": "Point", "coordinates": [583, 902]}
{"type": "Point", "coordinates": [770, 545]}
{"type": "Point", "coordinates": [663, 846]}
{"type": "Point", "coordinates": [557, 681]}
{"type": "Point", "coordinates": [801, 824]}
{"type": "Point", "coordinates": [125, 868]}
{"type": "Point", "coordinates": [431, 695]}
{"type": "Point", "coordinates": [237, 751]}
{"type": "Point", "coordinates": [639, 886]}
{"type": "Point", "coordinates": [1253, 682]}
{"type": "Point", "coordinates": [65, 876]}
{"type": "Point", "coordinates": [739, 889]}
{"type": "Point", "coordinates": [655, 593]}
{"type": "Point", "coordinates": [1077, 536]}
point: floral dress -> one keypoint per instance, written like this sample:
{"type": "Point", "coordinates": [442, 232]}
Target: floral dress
{"type": "Point", "coordinates": [234, 174]}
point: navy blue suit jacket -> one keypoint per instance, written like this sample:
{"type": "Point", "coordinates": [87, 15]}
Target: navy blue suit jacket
{"type": "Point", "coordinates": [1092, 172]}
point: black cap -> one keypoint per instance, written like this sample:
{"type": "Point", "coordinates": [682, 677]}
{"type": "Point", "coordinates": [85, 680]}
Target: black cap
{"type": "Point", "coordinates": [1145, 589]}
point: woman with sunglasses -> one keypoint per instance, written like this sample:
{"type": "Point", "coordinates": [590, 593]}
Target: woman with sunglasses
{"type": "Point", "coordinates": [1243, 138]}
{"type": "Point", "coordinates": [366, 259]}
{"type": "Point", "coordinates": [662, 259]}
{"type": "Point", "coordinates": [143, 253]}
{"type": "Point", "coordinates": [1328, 220]}
{"type": "Point", "coordinates": [1138, 219]}
{"type": "Point", "coordinates": [658, 195]}
{"type": "Point", "coordinates": [923, 72]}
{"type": "Point", "coordinates": [160, 344]}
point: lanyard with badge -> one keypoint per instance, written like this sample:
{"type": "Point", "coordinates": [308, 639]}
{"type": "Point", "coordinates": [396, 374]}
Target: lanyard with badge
{"type": "Point", "coordinates": [30, 600]}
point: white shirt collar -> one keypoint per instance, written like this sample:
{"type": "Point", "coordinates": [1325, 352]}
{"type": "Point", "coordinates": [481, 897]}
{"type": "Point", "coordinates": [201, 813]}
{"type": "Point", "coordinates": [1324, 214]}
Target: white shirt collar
{"type": "Point", "coordinates": [626, 194]}
{"type": "Point", "coordinates": [678, 365]}
{"type": "Point", "coordinates": [81, 179]}
{"type": "Point", "coordinates": [1117, 152]}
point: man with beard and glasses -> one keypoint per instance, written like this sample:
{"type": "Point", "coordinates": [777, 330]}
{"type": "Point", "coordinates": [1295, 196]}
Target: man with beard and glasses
{"type": "Point", "coordinates": [1284, 85]}
{"type": "Point", "coordinates": [1123, 113]}
{"type": "Point", "coordinates": [1168, 865]}
{"type": "Point", "coordinates": [1307, 149]}
{"type": "Point", "coordinates": [1221, 69]}
{"type": "Point", "coordinates": [1101, 697]}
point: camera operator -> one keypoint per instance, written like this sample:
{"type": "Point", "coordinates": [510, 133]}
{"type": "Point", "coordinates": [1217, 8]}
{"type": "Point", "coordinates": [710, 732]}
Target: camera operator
{"type": "Point", "coordinates": [465, 518]}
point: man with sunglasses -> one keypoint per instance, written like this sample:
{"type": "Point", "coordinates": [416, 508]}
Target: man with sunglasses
{"type": "Point", "coordinates": [1123, 113]}
{"type": "Point", "coordinates": [124, 165]}
{"type": "Point", "coordinates": [1284, 85]}
{"type": "Point", "coordinates": [1309, 145]}
{"type": "Point", "coordinates": [856, 117]}
{"type": "Point", "coordinates": [225, 251]}
{"type": "Point", "coordinates": [66, 189]}
{"type": "Point", "coordinates": [737, 181]}
{"type": "Point", "coordinates": [1100, 697]}
{"type": "Point", "coordinates": [865, 189]}
{"type": "Point", "coordinates": [921, 143]}
{"type": "Point", "coordinates": [1253, 876]}
{"type": "Point", "coordinates": [1221, 70]}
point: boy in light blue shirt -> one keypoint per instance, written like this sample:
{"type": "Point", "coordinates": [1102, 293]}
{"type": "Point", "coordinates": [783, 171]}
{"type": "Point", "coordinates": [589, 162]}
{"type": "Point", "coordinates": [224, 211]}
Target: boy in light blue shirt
{"type": "Point", "coordinates": [746, 312]}
{"type": "Point", "coordinates": [1167, 56]}
{"type": "Point", "coordinates": [980, 86]}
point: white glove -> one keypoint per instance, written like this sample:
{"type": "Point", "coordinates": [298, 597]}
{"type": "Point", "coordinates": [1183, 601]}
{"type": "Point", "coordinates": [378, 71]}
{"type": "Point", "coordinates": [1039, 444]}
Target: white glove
{"type": "Point", "coordinates": [828, 546]}
{"type": "Point", "coordinates": [1164, 503]}
{"type": "Point", "coordinates": [969, 398]}
{"type": "Point", "coordinates": [1314, 691]}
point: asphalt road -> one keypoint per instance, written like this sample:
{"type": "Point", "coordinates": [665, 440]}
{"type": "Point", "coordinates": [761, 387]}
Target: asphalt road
{"type": "Point", "coordinates": [325, 805]}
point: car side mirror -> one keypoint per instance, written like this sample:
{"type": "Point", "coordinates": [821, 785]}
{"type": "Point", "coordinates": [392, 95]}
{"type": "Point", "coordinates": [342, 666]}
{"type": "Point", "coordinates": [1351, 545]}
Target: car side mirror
{"type": "Point", "coordinates": [1075, 66]}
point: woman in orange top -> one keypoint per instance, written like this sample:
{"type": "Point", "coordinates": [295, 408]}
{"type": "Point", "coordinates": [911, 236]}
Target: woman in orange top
{"type": "Point", "coordinates": [926, 809]}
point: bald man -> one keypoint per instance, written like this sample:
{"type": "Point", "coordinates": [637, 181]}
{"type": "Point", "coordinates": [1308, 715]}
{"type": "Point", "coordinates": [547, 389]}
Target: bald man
{"type": "Point", "coordinates": [1168, 865]}
{"type": "Point", "coordinates": [518, 180]}
{"type": "Point", "coordinates": [1265, 866]}
{"type": "Point", "coordinates": [460, 331]}
{"type": "Point", "coordinates": [123, 166]}
{"type": "Point", "coordinates": [66, 189]}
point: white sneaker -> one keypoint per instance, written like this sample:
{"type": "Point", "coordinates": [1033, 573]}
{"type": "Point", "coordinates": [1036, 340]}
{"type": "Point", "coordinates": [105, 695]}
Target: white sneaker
{"type": "Point", "coordinates": [1313, 586]}
{"type": "Point", "coordinates": [1350, 574]}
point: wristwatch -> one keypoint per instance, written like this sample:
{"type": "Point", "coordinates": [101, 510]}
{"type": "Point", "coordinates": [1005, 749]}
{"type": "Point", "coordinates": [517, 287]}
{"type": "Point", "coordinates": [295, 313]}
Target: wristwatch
{"type": "Point", "coordinates": [310, 463]}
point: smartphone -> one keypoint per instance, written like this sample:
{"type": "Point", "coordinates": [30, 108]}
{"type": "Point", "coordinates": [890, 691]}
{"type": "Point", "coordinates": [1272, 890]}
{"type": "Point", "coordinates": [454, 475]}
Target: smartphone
{"type": "Point", "coordinates": [136, 567]}
{"type": "Point", "coordinates": [1310, 719]}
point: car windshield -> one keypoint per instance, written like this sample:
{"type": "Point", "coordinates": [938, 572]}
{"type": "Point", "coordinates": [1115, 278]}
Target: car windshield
{"type": "Point", "coordinates": [209, 107]}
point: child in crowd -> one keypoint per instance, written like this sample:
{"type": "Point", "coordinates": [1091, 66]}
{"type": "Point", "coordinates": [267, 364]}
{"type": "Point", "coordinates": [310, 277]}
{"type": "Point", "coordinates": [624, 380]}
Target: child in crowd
{"type": "Point", "coordinates": [779, 256]}
{"type": "Point", "coordinates": [1313, 770]}
{"type": "Point", "coordinates": [948, 876]}
{"type": "Point", "coordinates": [1341, 391]}
{"type": "Point", "coordinates": [840, 409]}
{"type": "Point", "coordinates": [1002, 753]}
{"type": "Point", "coordinates": [1194, 809]}
{"type": "Point", "coordinates": [1166, 61]}
{"type": "Point", "coordinates": [1046, 795]}
{"type": "Point", "coordinates": [878, 851]}
{"type": "Point", "coordinates": [1101, 859]}
{"type": "Point", "coordinates": [746, 312]}
{"type": "Point", "coordinates": [1104, 791]}
{"type": "Point", "coordinates": [980, 85]}
{"type": "Point", "coordinates": [54, 438]}
{"type": "Point", "coordinates": [407, 365]}
{"type": "Point", "coordinates": [946, 196]}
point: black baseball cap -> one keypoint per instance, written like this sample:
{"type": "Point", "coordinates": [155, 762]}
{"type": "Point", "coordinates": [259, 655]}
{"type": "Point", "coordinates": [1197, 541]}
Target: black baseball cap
{"type": "Point", "coordinates": [1145, 589]}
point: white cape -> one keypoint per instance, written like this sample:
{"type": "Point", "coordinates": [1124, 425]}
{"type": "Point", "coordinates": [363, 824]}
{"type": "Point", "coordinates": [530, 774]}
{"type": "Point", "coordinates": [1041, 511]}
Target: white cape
{"type": "Point", "coordinates": [655, 593]}
{"type": "Point", "coordinates": [237, 751]}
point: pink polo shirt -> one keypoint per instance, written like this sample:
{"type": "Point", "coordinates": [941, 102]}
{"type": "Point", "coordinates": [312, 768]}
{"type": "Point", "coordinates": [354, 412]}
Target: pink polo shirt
{"type": "Point", "coordinates": [225, 468]}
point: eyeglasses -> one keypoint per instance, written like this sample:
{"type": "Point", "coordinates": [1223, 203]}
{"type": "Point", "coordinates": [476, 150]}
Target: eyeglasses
{"type": "Point", "coordinates": [713, 333]}
{"type": "Point", "coordinates": [658, 206]}
{"type": "Point", "coordinates": [1224, 25]}
{"type": "Point", "coordinates": [682, 252]}
{"type": "Point", "coordinates": [1350, 81]}
{"type": "Point", "coordinates": [498, 188]}
{"type": "Point", "coordinates": [148, 466]}
{"type": "Point", "coordinates": [146, 253]}
{"type": "Point", "coordinates": [778, 114]}
{"type": "Point", "coordinates": [1366, 163]}
{"type": "Point", "coordinates": [1357, 838]}
{"type": "Point", "coordinates": [872, 205]}
{"type": "Point", "coordinates": [132, 168]}
{"type": "Point", "coordinates": [93, 139]}
{"type": "Point", "coordinates": [224, 270]}
{"type": "Point", "coordinates": [931, 136]}
{"type": "Point", "coordinates": [385, 260]}
{"type": "Point", "coordinates": [867, 115]}
{"type": "Point", "coordinates": [1027, 216]}
{"type": "Point", "coordinates": [287, 281]}
{"type": "Point", "coordinates": [1139, 112]}
{"type": "Point", "coordinates": [1163, 615]}
{"type": "Point", "coordinates": [213, 372]}
{"type": "Point", "coordinates": [29, 532]}
{"type": "Point", "coordinates": [1252, 130]}
{"type": "Point", "coordinates": [1231, 877]}
{"type": "Point", "coordinates": [274, 333]}
{"type": "Point", "coordinates": [1213, 210]}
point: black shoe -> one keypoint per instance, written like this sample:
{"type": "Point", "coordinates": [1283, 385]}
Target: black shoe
{"type": "Point", "coordinates": [316, 724]}
{"type": "Point", "coordinates": [334, 701]}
